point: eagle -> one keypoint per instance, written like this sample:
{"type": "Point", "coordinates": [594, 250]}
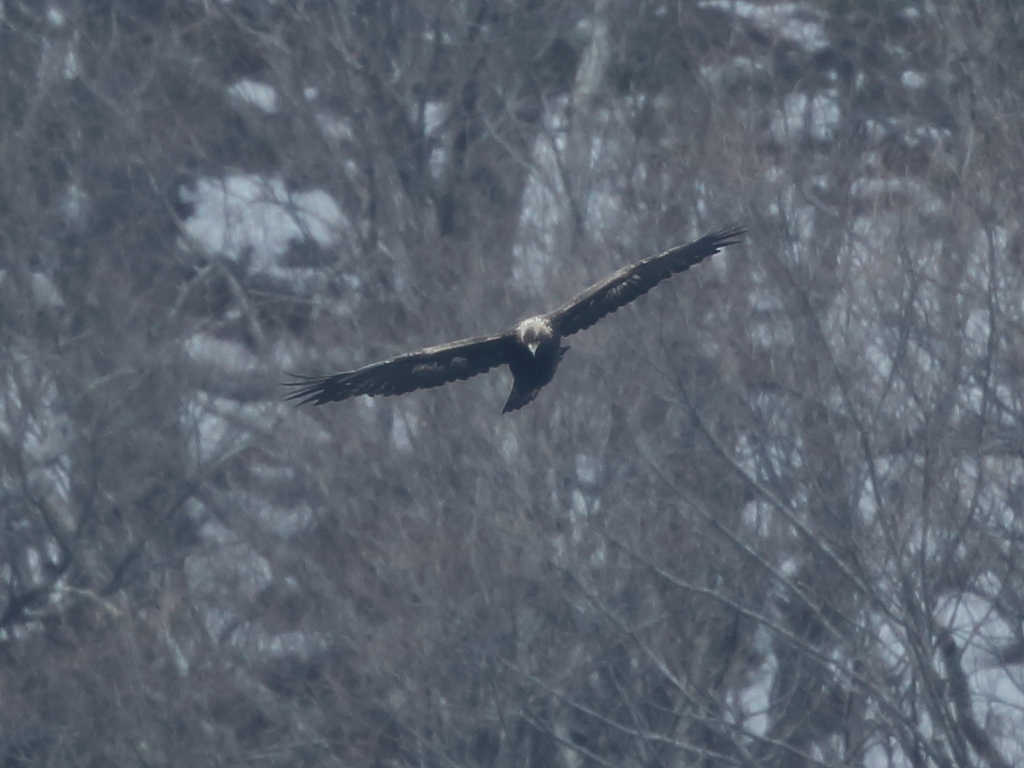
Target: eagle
{"type": "Point", "coordinates": [532, 349]}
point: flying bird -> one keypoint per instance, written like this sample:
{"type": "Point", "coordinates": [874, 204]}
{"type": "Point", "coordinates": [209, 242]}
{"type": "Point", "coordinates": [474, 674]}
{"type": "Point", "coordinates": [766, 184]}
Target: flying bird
{"type": "Point", "coordinates": [532, 349]}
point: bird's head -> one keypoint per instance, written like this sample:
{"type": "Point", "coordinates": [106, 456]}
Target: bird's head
{"type": "Point", "coordinates": [533, 332]}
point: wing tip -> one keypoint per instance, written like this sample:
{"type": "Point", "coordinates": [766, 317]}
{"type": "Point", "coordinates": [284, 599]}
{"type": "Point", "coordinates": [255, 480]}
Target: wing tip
{"type": "Point", "coordinates": [730, 234]}
{"type": "Point", "coordinates": [312, 389]}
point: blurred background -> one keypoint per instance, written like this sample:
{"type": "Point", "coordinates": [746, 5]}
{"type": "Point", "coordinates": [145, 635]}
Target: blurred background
{"type": "Point", "coordinates": [770, 514]}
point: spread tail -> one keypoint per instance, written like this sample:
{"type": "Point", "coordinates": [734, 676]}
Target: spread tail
{"type": "Point", "coordinates": [517, 398]}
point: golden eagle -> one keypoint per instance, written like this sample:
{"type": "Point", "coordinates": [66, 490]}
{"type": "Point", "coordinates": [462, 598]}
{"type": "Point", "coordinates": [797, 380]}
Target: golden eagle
{"type": "Point", "coordinates": [531, 350]}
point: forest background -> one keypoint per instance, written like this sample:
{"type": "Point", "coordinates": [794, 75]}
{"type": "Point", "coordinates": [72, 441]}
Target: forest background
{"type": "Point", "coordinates": [770, 514]}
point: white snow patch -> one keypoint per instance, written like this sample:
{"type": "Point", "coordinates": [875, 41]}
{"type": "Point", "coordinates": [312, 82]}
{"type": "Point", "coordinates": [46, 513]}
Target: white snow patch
{"type": "Point", "coordinates": [257, 216]}
{"type": "Point", "coordinates": [586, 468]}
{"type": "Point", "coordinates": [231, 356]}
{"type": "Point", "coordinates": [997, 688]}
{"type": "Point", "coordinates": [435, 115]}
{"type": "Point", "coordinates": [404, 427]}
{"type": "Point", "coordinates": [257, 94]}
{"type": "Point", "coordinates": [913, 79]}
{"type": "Point", "coordinates": [818, 115]}
{"type": "Point", "coordinates": [45, 292]}
{"type": "Point", "coordinates": [791, 21]}
{"type": "Point", "coordinates": [74, 204]}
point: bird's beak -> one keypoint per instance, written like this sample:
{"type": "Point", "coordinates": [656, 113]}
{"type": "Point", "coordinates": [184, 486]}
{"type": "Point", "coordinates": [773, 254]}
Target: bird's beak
{"type": "Point", "coordinates": [532, 346]}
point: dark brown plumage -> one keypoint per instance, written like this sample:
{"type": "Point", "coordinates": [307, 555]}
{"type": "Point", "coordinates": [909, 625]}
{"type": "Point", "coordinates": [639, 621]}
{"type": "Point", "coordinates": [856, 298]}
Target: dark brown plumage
{"type": "Point", "coordinates": [531, 350]}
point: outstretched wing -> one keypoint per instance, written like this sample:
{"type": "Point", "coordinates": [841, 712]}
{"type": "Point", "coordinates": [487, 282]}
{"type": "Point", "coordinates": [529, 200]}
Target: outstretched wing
{"type": "Point", "coordinates": [631, 282]}
{"type": "Point", "coordinates": [430, 367]}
